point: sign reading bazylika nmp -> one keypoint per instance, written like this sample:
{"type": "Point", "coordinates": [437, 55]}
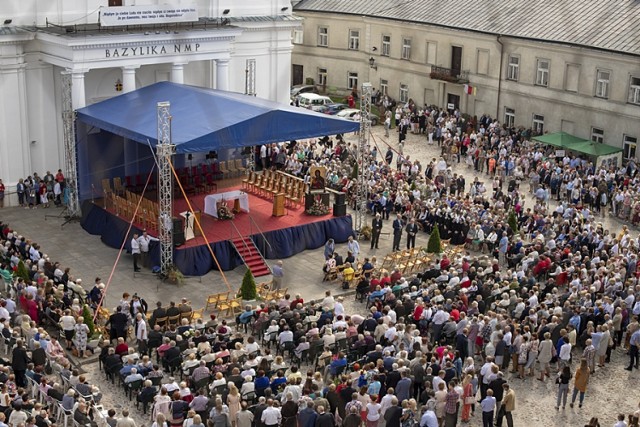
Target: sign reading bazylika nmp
{"type": "Point", "coordinates": [147, 15]}
{"type": "Point", "coordinates": [153, 50]}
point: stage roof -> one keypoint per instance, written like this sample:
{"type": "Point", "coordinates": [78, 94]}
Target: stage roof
{"type": "Point", "coordinates": [206, 119]}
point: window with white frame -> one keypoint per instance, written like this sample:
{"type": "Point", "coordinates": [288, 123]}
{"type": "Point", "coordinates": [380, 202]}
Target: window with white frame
{"type": "Point", "coordinates": [352, 80]}
{"type": "Point", "coordinates": [404, 92]}
{"type": "Point", "coordinates": [323, 36]}
{"type": "Point", "coordinates": [597, 135]}
{"type": "Point", "coordinates": [354, 39]}
{"type": "Point", "coordinates": [538, 124]}
{"type": "Point", "coordinates": [629, 145]}
{"type": "Point", "coordinates": [386, 46]}
{"type": "Point", "coordinates": [406, 48]}
{"type": "Point", "coordinates": [634, 90]}
{"type": "Point", "coordinates": [513, 70]}
{"type": "Point", "coordinates": [509, 117]}
{"type": "Point", "coordinates": [298, 36]}
{"type": "Point", "coordinates": [542, 72]}
{"type": "Point", "coordinates": [384, 87]}
{"type": "Point", "coordinates": [322, 76]}
{"type": "Point", "coordinates": [602, 83]}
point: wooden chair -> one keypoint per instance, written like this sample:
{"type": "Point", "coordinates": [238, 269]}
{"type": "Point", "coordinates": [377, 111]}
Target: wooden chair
{"type": "Point", "coordinates": [197, 314]}
{"type": "Point", "coordinates": [239, 167]}
{"type": "Point", "coordinates": [212, 301]}
{"type": "Point", "coordinates": [174, 320]}
{"type": "Point", "coordinates": [231, 167]}
{"type": "Point", "coordinates": [246, 182]}
{"type": "Point", "coordinates": [235, 306]}
{"type": "Point", "coordinates": [162, 321]}
{"type": "Point", "coordinates": [117, 186]}
{"type": "Point", "coordinates": [210, 184]}
{"type": "Point", "coordinates": [223, 169]}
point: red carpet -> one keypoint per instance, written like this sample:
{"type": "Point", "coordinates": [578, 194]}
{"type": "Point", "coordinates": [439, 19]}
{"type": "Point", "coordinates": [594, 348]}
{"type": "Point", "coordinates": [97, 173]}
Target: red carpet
{"type": "Point", "coordinates": [260, 210]}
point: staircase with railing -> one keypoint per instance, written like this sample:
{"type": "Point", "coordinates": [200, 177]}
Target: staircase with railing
{"type": "Point", "coordinates": [248, 251]}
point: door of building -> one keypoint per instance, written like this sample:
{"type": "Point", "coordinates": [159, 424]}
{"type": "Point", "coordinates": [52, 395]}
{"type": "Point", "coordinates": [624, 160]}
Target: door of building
{"type": "Point", "coordinates": [297, 75]}
{"type": "Point", "coordinates": [453, 100]}
{"type": "Point", "coordinates": [113, 3]}
{"type": "Point", "coordinates": [456, 59]}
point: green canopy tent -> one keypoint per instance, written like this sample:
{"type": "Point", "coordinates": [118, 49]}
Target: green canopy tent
{"type": "Point", "coordinates": [602, 154]}
{"type": "Point", "coordinates": [559, 139]}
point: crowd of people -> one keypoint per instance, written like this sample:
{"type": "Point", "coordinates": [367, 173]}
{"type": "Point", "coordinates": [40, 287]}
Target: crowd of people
{"type": "Point", "coordinates": [548, 297]}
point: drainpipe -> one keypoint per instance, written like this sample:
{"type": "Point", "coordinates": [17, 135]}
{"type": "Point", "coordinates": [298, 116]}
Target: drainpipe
{"type": "Point", "coordinates": [499, 40]}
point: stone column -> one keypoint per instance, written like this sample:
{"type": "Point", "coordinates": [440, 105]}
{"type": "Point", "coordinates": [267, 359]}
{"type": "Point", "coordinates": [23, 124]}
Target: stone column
{"type": "Point", "coordinates": [222, 74]}
{"type": "Point", "coordinates": [177, 73]}
{"type": "Point", "coordinates": [129, 78]}
{"type": "Point", "coordinates": [78, 96]}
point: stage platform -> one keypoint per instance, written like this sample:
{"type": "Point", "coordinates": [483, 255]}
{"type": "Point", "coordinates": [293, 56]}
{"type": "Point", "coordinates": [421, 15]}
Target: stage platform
{"type": "Point", "coordinates": [287, 235]}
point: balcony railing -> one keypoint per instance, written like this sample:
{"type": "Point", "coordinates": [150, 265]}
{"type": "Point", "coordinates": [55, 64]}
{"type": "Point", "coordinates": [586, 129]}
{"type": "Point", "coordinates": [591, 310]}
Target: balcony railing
{"type": "Point", "coordinates": [449, 75]}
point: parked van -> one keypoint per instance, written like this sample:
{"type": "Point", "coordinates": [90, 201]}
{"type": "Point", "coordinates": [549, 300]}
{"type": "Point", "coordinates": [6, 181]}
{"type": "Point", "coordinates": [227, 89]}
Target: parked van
{"type": "Point", "coordinates": [313, 101]}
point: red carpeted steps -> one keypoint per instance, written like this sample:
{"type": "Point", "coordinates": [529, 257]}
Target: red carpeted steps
{"type": "Point", "coordinates": [251, 256]}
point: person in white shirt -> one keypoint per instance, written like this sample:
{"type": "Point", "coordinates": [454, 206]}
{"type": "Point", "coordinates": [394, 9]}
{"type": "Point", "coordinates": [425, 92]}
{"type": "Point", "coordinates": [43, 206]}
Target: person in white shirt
{"type": "Point", "coordinates": [338, 308]}
{"type": "Point", "coordinates": [328, 302]}
{"type": "Point", "coordinates": [564, 358]}
{"type": "Point", "coordinates": [143, 242]}
{"type": "Point", "coordinates": [429, 419]}
{"type": "Point", "coordinates": [135, 251]}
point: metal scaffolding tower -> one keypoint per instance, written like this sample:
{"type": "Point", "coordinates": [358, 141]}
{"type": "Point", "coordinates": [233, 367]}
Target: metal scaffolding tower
{"type": "Point", "coordinates": [362, 156]}
{"type": "Point", "coordinates": [70, 155]}
{"type": "Point", "coordinates": [165, 149]}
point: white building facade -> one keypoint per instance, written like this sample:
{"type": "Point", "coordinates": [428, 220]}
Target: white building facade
{"type": "Point", "coordinates": [241, 47]}
{"type": "Point", "coordinates": [549, 66]}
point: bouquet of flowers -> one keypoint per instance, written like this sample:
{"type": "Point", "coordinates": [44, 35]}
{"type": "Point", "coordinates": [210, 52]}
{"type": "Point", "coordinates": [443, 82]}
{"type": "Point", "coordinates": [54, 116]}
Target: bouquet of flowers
{"type": "Point", "coordinates": [224, 212]}
{"type": "Point", "coordinates": [318, 208]}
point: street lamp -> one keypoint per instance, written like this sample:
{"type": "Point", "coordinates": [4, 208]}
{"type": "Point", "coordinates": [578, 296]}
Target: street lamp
{"type": "Point", "coordinates": [372, 63]}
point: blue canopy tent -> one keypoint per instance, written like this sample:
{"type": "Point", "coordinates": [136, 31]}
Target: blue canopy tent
{"type": "Point", "coordinates": [203, 120]}
{"type": "Point", "coordinates": [116, 137]}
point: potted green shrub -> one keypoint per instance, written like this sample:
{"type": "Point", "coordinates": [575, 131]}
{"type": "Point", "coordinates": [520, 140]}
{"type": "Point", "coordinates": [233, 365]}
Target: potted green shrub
{"type": "Point", "coordinates": [434, 246]}
{"type": "Point", "coordinates": [248, 291]}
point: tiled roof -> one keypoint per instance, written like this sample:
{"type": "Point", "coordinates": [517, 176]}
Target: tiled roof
{"type": "Point", "coordinates": [612, 25]}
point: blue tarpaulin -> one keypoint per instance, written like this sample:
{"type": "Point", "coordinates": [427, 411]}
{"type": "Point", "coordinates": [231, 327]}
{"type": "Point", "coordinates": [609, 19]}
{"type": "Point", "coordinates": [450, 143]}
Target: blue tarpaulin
{"type": "Point", "coordinates": [206, 119]}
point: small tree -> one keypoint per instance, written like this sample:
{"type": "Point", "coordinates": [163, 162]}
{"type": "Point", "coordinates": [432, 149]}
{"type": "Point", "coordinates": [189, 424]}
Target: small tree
{"type": "Point", "coordinates": [434, 246]}
{"type": "Point", "coordinates": [88, 319]}
{"type": "Point", "coordinates": [23, 272]}
{"type": "Point", "coordinates": [513, 221]}
{"type": "Point", "coordinates": [354, 171]}
{"type": "Point", "coordinates": [248, 289]}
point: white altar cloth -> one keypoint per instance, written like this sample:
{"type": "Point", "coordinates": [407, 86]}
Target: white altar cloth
{"type": "Point", "coordinates": [211, 201]}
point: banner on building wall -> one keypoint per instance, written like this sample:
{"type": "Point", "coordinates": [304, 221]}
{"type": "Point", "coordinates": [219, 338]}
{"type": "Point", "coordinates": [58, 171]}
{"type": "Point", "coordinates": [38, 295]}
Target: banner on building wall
{"type": "Point", "coordinates": [147, 15]}
{"type": "Point", "coordinates": [610, 161]}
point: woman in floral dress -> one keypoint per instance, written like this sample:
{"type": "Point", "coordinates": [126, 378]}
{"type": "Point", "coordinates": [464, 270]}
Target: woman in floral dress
{"type": "Point", "coordinates": [80, 337]}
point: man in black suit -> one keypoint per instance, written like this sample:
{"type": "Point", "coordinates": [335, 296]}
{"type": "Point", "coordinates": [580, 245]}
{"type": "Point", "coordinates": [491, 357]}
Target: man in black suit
{"type": "Point", "coordinates": [173, 310]}
{"type": "Point", "coordinates": [397, 233]}
{"type": "Point", "coordinates": [462, 344]}
{"type": "Point", "coordinates": [158, 313]}
{"type": "Point", "coordinates": [324, 419]}
{"type": "Point", "coordinates": [119, 324]}
{"type": "Point", "coordinates": [376, 228]}
{"type": "Point", "coordinates": [171, 354]}
{"type": "Point", "coordinates": [393, 414]}
{"type": "Point", "coordinates": [19, 363]}
{"type": "Point", "coordinates": [412, 230]}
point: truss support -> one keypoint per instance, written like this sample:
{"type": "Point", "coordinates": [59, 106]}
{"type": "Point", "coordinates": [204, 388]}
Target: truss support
{"type": "Point", "coordinates": [69, 140]}
{"type": "Point", "coordinates": [362, 155]}
{"type": "Point", "coordinates": [165, 150]}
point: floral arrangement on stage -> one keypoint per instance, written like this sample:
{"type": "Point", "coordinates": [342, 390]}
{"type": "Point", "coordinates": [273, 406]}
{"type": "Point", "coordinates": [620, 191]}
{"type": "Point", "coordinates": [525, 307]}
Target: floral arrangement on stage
{"type": "Point", "coordinates": [318, 208]}
{"type": "Point", "coordinates": [224, 212]}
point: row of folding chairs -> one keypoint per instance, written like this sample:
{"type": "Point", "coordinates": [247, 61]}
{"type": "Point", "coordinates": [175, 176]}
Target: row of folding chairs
{"type": "Point", "coordinates": [147, 214]}
{"type": "Point", "coordinates": [269, 183]}
{"type": "Point", "coordinates": [223, 303]}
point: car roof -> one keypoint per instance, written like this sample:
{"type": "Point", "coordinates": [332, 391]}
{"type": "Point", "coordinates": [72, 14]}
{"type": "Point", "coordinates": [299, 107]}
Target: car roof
{"type": "Point", "coordinates": [312, 96]}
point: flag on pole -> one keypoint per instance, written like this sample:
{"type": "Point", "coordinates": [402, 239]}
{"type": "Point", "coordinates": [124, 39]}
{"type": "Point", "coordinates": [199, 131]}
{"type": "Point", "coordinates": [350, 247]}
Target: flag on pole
{"type": "Point", "coordinates": [469, 90]}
